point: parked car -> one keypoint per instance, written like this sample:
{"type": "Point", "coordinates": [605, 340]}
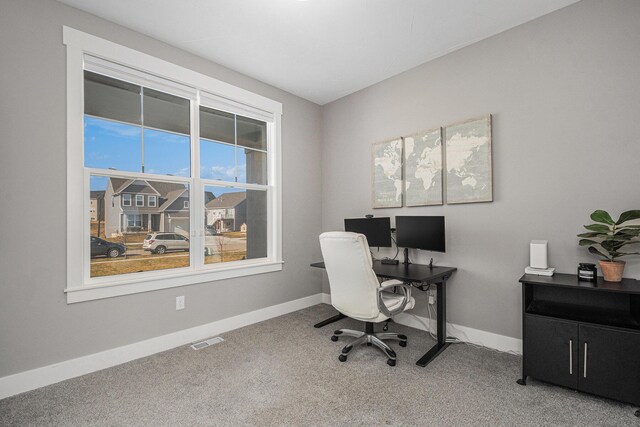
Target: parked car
{"type": "Point", "coordinates": [101, 247]}
{"type": "Point", "coordinates": [159, 243]}
{"type": "Point", "coordinates": [211, 231]}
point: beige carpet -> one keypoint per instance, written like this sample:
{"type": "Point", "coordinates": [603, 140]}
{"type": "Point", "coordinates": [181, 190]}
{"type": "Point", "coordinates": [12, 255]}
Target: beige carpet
{"type": "Point", "coordinates": [285, 372]}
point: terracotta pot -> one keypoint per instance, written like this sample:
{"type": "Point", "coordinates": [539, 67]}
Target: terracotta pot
{"type": "Point", "coordinates": [612, 270]}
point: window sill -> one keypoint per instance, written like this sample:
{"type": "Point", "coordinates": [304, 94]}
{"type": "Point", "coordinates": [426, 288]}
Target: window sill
{"type": "Point", "coordinates": [94, 292]}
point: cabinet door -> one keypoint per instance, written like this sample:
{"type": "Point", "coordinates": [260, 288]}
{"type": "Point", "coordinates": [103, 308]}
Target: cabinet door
{"type": "Point", "coordinates": [610, 363]}
{"type": "Point", "coordinates": [550, 350]}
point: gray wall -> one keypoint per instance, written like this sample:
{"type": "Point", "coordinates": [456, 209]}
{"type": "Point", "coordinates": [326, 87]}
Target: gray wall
{"type": "Point", "coordinates": [565, 99]}
{"type": "Point", "coordinates": [37, 326]}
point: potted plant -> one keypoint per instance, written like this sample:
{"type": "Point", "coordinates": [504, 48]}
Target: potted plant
{"type": "Point", "coordinates": [608, 237]}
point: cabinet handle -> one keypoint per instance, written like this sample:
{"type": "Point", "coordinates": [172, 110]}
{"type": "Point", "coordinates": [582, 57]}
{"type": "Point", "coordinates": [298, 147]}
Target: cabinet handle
{"type": "Point", "coordinates": [570, 357]}
{"type": "Point", "coordinates": [585, 360]}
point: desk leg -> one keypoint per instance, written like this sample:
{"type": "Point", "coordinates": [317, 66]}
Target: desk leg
{"type": "Point", "coordinates": [441, 290]}
{"type": "Point", "coordinates": [331, 319]}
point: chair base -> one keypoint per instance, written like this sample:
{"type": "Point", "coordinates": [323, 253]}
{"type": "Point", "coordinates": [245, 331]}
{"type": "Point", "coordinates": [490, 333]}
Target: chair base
{"type": "Point", "coordinates": [370, 338]}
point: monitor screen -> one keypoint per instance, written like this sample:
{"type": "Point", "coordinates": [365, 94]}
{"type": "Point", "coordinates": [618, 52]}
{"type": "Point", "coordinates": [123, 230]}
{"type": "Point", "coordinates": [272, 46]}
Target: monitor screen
{"type": "Point", "coordinates": [420, 232]}
{"type": "Point", "coordinates": [377, 230]}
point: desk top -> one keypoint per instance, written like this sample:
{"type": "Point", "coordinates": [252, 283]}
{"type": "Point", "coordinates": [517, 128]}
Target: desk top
{"type": "Point", "coordinates": [408, 273]}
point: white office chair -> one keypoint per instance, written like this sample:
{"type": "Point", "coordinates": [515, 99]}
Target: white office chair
{"type": "Point", "coordinates": [356, 292]}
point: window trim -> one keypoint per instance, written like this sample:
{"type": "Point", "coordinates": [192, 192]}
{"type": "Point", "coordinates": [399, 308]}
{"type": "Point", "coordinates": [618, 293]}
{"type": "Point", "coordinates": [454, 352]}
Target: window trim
{"type": "Point", "coordinates": [185, 205]}
{"type": "Point", "coordinates": [126, 200]}
{"type": "Point", "coordinates": [141, 198]}
{"type": "Point", "coordinates": [82, 48]}
{"type": "Point", "coordinates": [136, 217]}
{"type": "Point", "coordinates": [155, 201]}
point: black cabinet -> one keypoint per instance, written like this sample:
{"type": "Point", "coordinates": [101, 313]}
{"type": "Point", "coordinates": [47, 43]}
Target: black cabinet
{"type": "Point", "coordinates": [582, 335]}
{"type": "Point", "coordinates": [550, 347]}
{"type": "Point", "coordinates": [610, 363]}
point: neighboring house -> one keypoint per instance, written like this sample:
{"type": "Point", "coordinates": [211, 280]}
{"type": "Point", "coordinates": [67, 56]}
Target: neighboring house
{"type": "Point", "coordinates": [96, 205]}
{"type": "Point", "coordinates": [228, 212]}
{"type": "Point", "coordinates": [134, 205]}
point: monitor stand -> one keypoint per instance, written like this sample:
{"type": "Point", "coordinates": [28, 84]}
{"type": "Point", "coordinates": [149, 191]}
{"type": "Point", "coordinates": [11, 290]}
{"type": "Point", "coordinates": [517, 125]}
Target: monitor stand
{"type": "Point", "coordinates": [406, 256]}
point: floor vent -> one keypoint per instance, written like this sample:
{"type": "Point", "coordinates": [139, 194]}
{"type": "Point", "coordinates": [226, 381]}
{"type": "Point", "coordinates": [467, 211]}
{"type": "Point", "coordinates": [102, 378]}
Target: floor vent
{"type": "Point", "coordinates": [206, 343]}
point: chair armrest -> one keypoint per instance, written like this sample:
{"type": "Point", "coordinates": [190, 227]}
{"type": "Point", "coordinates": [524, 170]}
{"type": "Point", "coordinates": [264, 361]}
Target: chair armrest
{"type": "Point", "coordinates": [405, 290]}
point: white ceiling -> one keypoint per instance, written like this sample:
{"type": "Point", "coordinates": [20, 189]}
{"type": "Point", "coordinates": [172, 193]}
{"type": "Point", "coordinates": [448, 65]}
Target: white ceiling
{"type": "Point", "coordinates": [320, 50]}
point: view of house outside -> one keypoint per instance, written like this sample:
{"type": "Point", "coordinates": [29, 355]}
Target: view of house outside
{"type": "Point", "coordinates": [143, 224]}
{"type": "Point", "coordinates": [130, 211]}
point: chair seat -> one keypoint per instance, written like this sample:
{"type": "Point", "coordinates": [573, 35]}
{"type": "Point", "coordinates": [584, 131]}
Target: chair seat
{"type": "Point", "coordinates": [392, 301]}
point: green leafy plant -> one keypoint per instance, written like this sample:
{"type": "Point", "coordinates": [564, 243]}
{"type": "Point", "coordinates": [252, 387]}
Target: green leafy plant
{"type": "Point", "coordinates": [608, 237]}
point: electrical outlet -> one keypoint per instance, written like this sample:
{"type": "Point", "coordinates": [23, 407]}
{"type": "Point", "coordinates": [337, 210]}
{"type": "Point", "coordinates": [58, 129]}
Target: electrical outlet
{"type": "Point", "coordinates": [180, 302]}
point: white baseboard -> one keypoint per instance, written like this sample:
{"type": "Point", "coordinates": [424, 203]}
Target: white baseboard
{"type": "Point", "coordinates": [463, 333]}
{"type": "Point", "coordinates": [326, 298]}
{"type": "Point", "coordinates": [51, 374]}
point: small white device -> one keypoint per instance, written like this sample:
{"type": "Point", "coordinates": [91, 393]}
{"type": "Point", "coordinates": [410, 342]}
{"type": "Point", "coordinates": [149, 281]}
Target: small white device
{"type": "Point", "coordinates": [538, 254]}
{"type": "Point", "coordinates": [540, 271]}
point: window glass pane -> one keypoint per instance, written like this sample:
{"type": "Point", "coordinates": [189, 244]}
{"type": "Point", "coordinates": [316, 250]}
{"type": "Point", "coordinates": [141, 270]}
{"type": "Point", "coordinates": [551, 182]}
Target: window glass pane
{"type": "Point", "coordinates": [112, 99]}
{"type": "Point", "coordinates": [252, 166]}
{"type": "Point", "coordinates": [112, 145]}
{"type": "Point", "coordinates": [130, 233]}
{"type": "Point", "coordinates": [252, 133]}
{"type": "Point", "coordinates": [166, 153]}
{"type": "Point", "coordinates": [235, 223]}
{"type": "Point", "coordinates": [166, 112]}
{"type": "Point", "coordinates": [217, 125]}
{"type": "Point", "coordinates": [217, 161]}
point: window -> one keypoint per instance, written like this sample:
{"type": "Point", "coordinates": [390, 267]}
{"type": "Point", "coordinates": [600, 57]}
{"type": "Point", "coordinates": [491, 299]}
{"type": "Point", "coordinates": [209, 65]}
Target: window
{"type": "Point", "coordinates": [134, 220]}
{"type": "Point", "coordinates": [133, 133]}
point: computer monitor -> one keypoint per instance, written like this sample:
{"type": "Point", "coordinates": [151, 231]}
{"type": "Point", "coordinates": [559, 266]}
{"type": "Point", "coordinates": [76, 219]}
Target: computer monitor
{"type": "Point", "coordinates": [377, 230]}
{"type": "Point", "coordinates": [420, 232]}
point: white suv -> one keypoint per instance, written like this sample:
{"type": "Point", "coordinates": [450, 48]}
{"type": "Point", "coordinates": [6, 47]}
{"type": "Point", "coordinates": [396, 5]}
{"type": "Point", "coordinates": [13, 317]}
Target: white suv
{"type": "Point", "coordinates": [159, 243]}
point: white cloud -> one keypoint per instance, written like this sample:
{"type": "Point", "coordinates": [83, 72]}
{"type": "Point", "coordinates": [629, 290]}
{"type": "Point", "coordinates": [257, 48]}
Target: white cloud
{"type": "Point", "coordinates": [228, 171]}
{"type": "Point", "coordinates": [183, 172]}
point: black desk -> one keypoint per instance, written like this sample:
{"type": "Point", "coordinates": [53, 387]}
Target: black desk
{"type": "Point", "coordinates": [417, 275]}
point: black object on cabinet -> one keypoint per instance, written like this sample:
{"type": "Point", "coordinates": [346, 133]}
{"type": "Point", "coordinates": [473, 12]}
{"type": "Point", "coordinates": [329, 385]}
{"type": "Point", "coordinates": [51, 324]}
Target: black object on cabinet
{"type": "Point", "coordinates": [582, 335]}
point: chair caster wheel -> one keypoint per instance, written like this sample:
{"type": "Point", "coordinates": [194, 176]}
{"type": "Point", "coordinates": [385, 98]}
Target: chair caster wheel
{"type": "Point", "coordinates": [342, 358]}
{"type": "Point", "coordinates": [391, 362]}
{"type": "Point", "coordinates": [334, 338]}
{"type": "Point", "coordinates": [402, 343]}
{"type": "Point", "coordinates": [637, 413]}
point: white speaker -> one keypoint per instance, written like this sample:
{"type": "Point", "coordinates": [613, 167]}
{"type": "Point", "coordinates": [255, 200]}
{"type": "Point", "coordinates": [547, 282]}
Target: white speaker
{"type": "Point", "coordinates": [538, 254]}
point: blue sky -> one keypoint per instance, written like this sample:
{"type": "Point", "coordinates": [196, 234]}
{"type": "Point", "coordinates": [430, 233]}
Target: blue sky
{"type": "Point", "coordinates": [116, 145]}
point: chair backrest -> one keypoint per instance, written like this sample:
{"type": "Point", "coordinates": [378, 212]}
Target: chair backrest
{"type": "Point", "coordinates": [353, 283]}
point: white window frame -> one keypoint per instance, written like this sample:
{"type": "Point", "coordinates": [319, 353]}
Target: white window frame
{"type": "Point", "coordinates": [186, 204]}
{"type": "Point", "coordinates": [155, 201]}
{"type": "Point", "coordinates": [126, 199]}
{"type": "Point", "coordinates": [140, 197]}
{"type": "Point", "coordinates": [134, 216]}
{"type": "Point", "coordinates": [85, 51]}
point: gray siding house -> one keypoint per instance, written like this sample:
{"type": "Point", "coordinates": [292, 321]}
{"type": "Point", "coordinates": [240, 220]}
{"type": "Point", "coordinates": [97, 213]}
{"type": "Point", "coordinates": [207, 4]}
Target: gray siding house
{"type": "Point", "coordinates": [134, 205]}
{"type": "Point", "coordinates": [228, 212]}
